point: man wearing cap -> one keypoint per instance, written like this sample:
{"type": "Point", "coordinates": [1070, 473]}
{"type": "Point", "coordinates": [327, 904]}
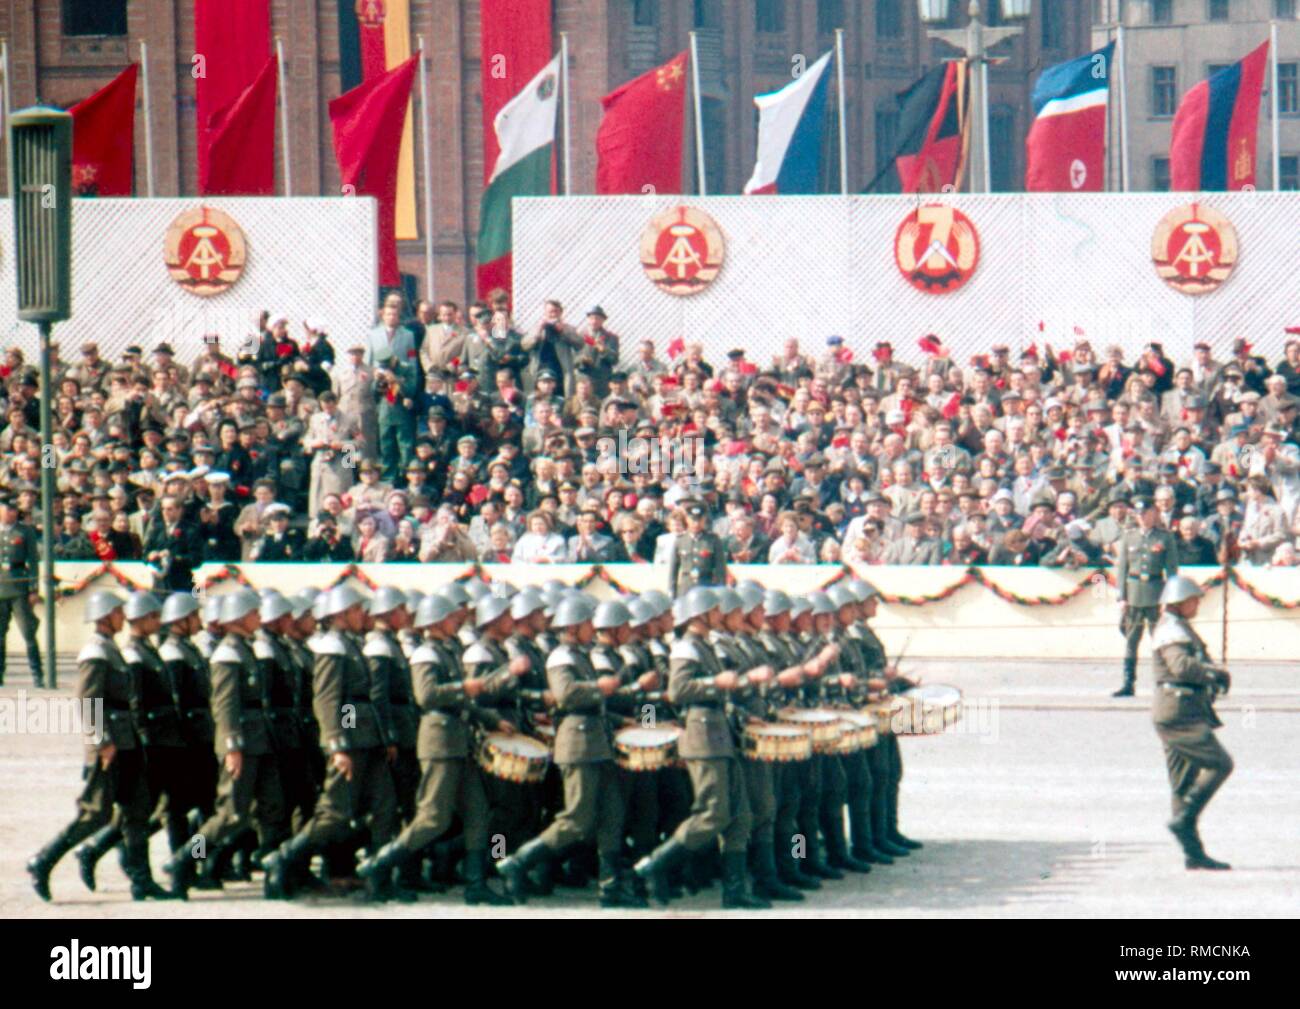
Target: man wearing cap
{"type": "Point", "coordinates": [280, 542]}
{"type": "Point", "coordinates": [19, 556]}
{"type": "Point", "coordinates": [173, 546]}
{"type": "Point", "coordinates": [601, 352]}
{"type": "Point", "coordinates": [553, 345]}
{"type": "Point", "coordinates": [698, 555]}
{"type": "Point", "coordinates": [1147, 557]}
{"type": "Point", "coordinates": [353, 382]}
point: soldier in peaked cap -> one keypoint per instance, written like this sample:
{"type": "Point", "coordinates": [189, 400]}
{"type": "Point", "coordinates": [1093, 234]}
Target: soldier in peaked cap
{"type": "Point", "coordinates": [19, 554]}
{"type": "Point", "coordinates": [698, 556]}
{"type": "Point", "coordinates": [1148, 556]}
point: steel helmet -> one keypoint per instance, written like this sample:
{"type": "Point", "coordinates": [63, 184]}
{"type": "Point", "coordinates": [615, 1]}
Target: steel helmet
{"type": "Point", "coordinates": [728, 600]}
{"type": "Point", "coordinates": [659, 600]}
{"type": "Point", "coordinates": [413, 597]}
{"type": "Point", "coordinates": [300, 604]}
{"type": "Point", "coordinates": [863, 589]}
{"type": "Point", "coordinates": [641, 612]}
{"type": "Point", "coordinates": [309, 594]}
{"type": "Point", "coordinates": [386, 599]}
{"type": "Point", "coordinates": [454, 593]}
{"type": "Point", "coordinates": [212, 610]}
{"type": "Point", "coordinates": [841, 595]}
{"type": "Point", "coordinates": [572, 610]}
{"type": "Point", "coordinates": [318, 605]}
{"type": "Point", "coordinates": [274, 605]}
{"type": "Point", "coordinates": [821, 603]}
{"type": "Point", "coordinates": [751, 596]}
{"type": "Point", "coordinates": [477, 589]}
{"type": "Point", "coordinates": [610, 614]}
{"type": "Point", "coordinates": [705, 599]}
{"type": "Point", "coordinates": [340, 598]}
{"type": "Point", "coordinates": [554, 585]}
{"type": "Point", "coordinates": [141, 604]}
{"type": "Point", "coordinates": [178, 606]}
{"type": "Point", "coordinates": [489, 607]}
{"type": "Point", "coordinates": [695, 603]}
{"type": "Point", "coordinates": [776, 602]}
{"type": "Point", "coordinates": [504, 589]}
{"type": "Point", "coordinates": [748, 583]}
{"type": "Point", "coordinates": [526, 602]}
{"type": "Point", "coordinates": [433, 609]}
{"type": "Point", "coordinates": [238, 604]}
{"type": "Point", "coordinates": [101, 604]}
{"type": "Point", "coordinates": [1179, 589]}
{"type": "Point", "coordinates": [552, 596]}
{"type": "Point", "coordinates": [799, 605]}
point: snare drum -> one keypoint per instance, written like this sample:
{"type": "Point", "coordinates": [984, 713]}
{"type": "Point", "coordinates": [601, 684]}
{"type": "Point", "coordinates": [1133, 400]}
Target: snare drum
{"type": "Point", "coordinates": [646, 749]}
{"type": "Point", "coordinates": [890, 714]}
{"type": "Point", "coordinates": [825, 725]}
{"type": "Point", "coordinates": [546, 733]}
{"type": "Point", "coordinates": [861, 731]}
{"type": "Point", "coordinates": [776, 744]}
{"type": "Point", "coordinates": [932, 708]}
{"type": "Point", "coordinates": [520, 759]}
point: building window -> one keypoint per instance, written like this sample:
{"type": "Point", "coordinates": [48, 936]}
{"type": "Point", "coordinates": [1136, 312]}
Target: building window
{"type": "Point", "coordinates": [889, 19]}
{"type": "Point", "coordinates": [706, 14]}
{"type": "Point", "coordinates": [1164, 90]}
{"type": "Point", "coordinates": [1162, 12]}
{"type": "Point", "coordinates": [1288, 95]}
{"type": "Point", "coordinates": [1053, 25]}
{"type": "Point", "coordinates": [1160, 175]}
{"type": "Point", "coordinates": [1217, 10]}
{"type": "Point", "coordinates": [1288, 172]}
{"type": "Point", "coordinates": [1003, 162]}
{"type": "Point", "coordinates": [886, 146]}
{"type": "Point", "coordinates": [94, 17]}
{"type": "Point", "coordinates": [1284, 9]}
{"type": "Point", "coordinates": [715, 144]}
{"type": "Point", "coordinates": [769, 16]}
{"type": "Point", "coordinates": [645, 13]}
{"type": "Point", "coordinates": [830, 15]}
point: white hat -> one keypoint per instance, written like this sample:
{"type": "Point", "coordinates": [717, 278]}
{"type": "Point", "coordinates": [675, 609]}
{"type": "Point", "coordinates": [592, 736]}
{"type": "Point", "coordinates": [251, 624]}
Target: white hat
{"type": "Point", "coordinates": [1003, 495]}
{"type": "Point", "coordinates": [277, 319]}
{"type": "Point", "coordinates": [217, 476]}
{"type": "Point", "coordinates": [317, 325]}
{"type": "Point", "coordinates": [277, 509]}
{"type": "Point", "coordinates": [199, 472]}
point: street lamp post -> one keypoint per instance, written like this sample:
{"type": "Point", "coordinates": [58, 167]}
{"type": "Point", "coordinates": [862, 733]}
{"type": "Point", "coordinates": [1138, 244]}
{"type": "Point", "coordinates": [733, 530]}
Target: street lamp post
{"type": "Point", "coordinates": [975, 41]}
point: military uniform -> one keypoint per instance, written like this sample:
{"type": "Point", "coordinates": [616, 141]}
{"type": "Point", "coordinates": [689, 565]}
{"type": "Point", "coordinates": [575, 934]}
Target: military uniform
{"type": "Point", "coordinates": [19, 556]}
{"type": "Point", "coordinates": [513, 805]}
{"type": "Point", "coordinates": [189, 670]}
{"type": "Point", "coordinates": [391, 689]}
{"type": "Point", "coordinates": [696, 559]}
{"type": "Point", "coordinates": [284, 698]}
{"type": "Point", "coordinates": [1147, 557]}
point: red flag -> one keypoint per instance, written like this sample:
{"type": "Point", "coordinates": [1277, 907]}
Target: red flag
{"type": "Point", "coordinates": [929, 344]}
{"type": "Point", "coordinates": [639, 142]}
{"type": "Point", "coordinates": [232, 39]}
{"type": "Point", "coordinates": [240, 141]}
{"type": "Point", "coordinates": [678, 347]}
{"type": "Point", "coordinates": [933, 123]}
{"type": "Point", "coordinates": [103, 138]}
{"type": "Point", "coordinates": [952, 407]}
{"type": "Point", "coordinates": [368, 123]}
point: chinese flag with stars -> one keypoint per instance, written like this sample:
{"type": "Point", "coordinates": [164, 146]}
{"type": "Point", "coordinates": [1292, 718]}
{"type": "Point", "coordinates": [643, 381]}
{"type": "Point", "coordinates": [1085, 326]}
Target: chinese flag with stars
{"type": "Point", "coordinates": [639, 143]}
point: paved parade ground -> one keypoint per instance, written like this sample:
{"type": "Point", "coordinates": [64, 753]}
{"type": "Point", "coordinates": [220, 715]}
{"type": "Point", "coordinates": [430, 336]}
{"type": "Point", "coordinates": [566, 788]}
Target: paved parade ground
{"type": "Point", "coordinates": [1049, 801]}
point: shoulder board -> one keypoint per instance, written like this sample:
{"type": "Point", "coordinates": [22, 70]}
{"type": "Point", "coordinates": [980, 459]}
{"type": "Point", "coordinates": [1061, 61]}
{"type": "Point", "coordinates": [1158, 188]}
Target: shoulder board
{"type": "Point", "coordinates": [171, 652]}
{"type": "Point", "coordinates": [132, 653]}
{"type": "Point", "coordinates": [601, 660]}
{"type": "Point", "coordinates": [377, 646]}
{"type": "Point", "coordinates": [426, 655]}
{"type": "Point", "coordinates": [1170, 631]}
{"type": "Point", "coordinates": [263, 649]}
{"type": "Point", "coordinates": [629, 655]}
{"type": "Point", "coordinates": [227, 654]}
{"type": "Point", "coordinates": [657, 647]}
{"type": "Point", "coordinates": [685, 649]}
{"type": "Point", "coordinates": [329, 643]}
{"type": "Point", "coordinates": [562, 656]}
{"type": "Point", "coordinates": [477, 654]}
{"type": "Point", "coordinates": [94, 651]}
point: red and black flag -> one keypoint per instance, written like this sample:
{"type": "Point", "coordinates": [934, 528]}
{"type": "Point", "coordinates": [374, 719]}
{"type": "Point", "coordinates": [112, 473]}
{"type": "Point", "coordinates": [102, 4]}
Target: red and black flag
{"type": "Point", "coordinates": [933, 130]}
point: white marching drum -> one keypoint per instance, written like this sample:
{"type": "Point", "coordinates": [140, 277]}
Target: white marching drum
{"type": "Point", "coordinates": [930, 709]}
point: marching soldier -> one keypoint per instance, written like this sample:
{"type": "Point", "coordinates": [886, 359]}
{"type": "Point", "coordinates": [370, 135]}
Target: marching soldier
{"type": "Point", "coordinates": [19, 555]}
{"type": "Point", "coordinates": [189, 670]}
{"type": "Point", "coordinates": [699, 686]}
{"type": "Point", "coordinates": [1186, 685]}
{"type": "Point", "coordinates": [593, 801]}
{"type": "Point", "coordinates": [207, 639]}
{"type": "Point", "coordinates": [249, 785]}
{"type": "Point", "coordinates": [698, 556]}
{"type": "Point", "coordinates": [1148, 555]}
{"type": "Point", "coordinates": [285, 686]}
{"type": "Point", "coordinates": [114, 775]}
{"type": "Point", "coordinates": [357, 781]}
{"type": "Point", "coordinates": [451, 783]}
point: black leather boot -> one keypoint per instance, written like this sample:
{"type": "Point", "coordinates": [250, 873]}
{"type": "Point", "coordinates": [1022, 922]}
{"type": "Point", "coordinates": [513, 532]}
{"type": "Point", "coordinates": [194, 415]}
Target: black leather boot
{"type": "Point", "coordinates": [96, 847]}
{"type": "Point", "coordinates": [613, 885]}
{"type": "Point", "coordinates": [837, 849]}
{"type": "Point", "coordinates": [134, 857]}
{"type": "Point", "coordinates": [1130, 680]}
{"type": "Point", "coordinates": [477, 890]}
{"type": "Point", "coordinates": [1184, 824]}
{"type": "Point", "coordinates": [767, 883]}
{"type": "Point", "coordinates": [880, 807]}
{"type": "Point", "coordinates": [282, 867]}
{"type": "Point", "coordinates": [815, 864]}
{"type": "Point", "coordinates": [735, 885]}
{"type": "Point", "coordinates": [657, 869]}
{"type": "Point", "coordinates": [43, 862]}
{"type": "Point", "coordinates": [790, 871]}
{"type": "Point", "coordinates": [514, 870]}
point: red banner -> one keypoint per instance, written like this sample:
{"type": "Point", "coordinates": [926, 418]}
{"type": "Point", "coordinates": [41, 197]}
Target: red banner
{"type": "Point", "coordinates": [103, 138]}
{"type": "Point", "coordinates": [515, 37]}
{"type": "Point", "coordinates": [247, 124]}
{"type": "Point", "coordinates": [232, 39]}
{"type": "Point", "coordinates": [639, 142]}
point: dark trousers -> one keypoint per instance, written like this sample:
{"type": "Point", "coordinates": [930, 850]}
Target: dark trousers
{"type": "Point", "coordinates": [177, 783]}
{"type": "Point", "coordinates": [118, 795]}
{"type": "Point", "coordinates": [254, 800]}
{"type": "Point", "coordinates": [369, 796]}
{"type": "Point", "coordinates": [297, 785]}
{"type": "Point", "coordinates": [640, 809]}
{"type": "Point", "coordinates": [1131, 624]}
{"type": "Point", "coordinates": [1194, 758]}
{"type": "Point", "coordinates": [788, 779]}
{"type": "Point", "coordinates": [396, 442]}
{"type": "Point", "coordinates": [406, 782]}
{"type": "Point", "coordinates": [18, 606]}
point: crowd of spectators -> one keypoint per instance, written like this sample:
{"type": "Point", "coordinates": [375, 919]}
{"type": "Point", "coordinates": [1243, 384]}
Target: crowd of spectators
{"type": "Point", "coordinates": [452, 436]}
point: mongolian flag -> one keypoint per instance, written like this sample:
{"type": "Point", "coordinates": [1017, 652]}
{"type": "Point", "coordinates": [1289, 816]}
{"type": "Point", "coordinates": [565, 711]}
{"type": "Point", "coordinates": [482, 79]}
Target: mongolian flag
{"type": "Point", "coordinates": [1066, 146]}
{"type": "Point", "coordinates": [639, 142]}
{"type": "Point", "coordinates": [933, 128]}
{"type": "Point", "coordinates": [1213, 142]}
{"type": "Point", "coordinates": [790, 125]}
{"type": "Point", "coordinates": [374, 38]}
{"type": "Point", "coordinates": [103, 138]}
{"type": "Point", "coordinates": [367, 125]}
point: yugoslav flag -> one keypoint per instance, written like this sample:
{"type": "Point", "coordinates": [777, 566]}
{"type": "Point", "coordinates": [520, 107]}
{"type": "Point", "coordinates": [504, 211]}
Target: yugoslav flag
{"type": "Point", "coordinates": [1066, 146]}
{"type": "Point", "coordinates": [790, 123]}
{"type": "Point", "coordinates": [525, 129]}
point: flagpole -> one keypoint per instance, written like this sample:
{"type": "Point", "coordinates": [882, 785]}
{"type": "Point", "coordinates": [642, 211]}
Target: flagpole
{"type": "Point", "coordinates": [4, 119]}
{"type": "Point", "coordinates": [428, 173]}
{"type": "Point", "coordinates": [844, 136]}
{"type": "Point", "coordinates": [284, 116]}
{"type": "Point", "coordinates": [564, 111]}
{"type": "Point", "coordinates": [148, 118]}
{"type": "Point", "coordinates": [1273, 106]}
{"type": "Point", "coordinates": [1123, 109]}
{"type": "Point", "coordinates": [699, 120]}
{"type": "Point", "coordinates": [984, 124]}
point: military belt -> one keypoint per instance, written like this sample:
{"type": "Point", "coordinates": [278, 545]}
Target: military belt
{"type": "Point", "coordinates": [1176, 686]}
{"type": "Point", "coordinates": [1139, 578]}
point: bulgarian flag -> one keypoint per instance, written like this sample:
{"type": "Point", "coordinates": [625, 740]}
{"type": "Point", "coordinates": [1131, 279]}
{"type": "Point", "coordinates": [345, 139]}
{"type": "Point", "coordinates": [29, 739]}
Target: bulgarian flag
{"type": "Point", "coordinates": [525, 131]}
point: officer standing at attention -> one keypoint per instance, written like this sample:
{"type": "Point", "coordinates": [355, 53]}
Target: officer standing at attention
{"type": "Point", "coordinates": [114, 775]}
{"type": "Point", "coordinates": [698, 556]}
{"type": "Point", "coordinates": [1148, 556]}
{"type": "Point", "coordinates": [1186, 685]}
{"type": "Point", "coordinates": [19, 555]}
